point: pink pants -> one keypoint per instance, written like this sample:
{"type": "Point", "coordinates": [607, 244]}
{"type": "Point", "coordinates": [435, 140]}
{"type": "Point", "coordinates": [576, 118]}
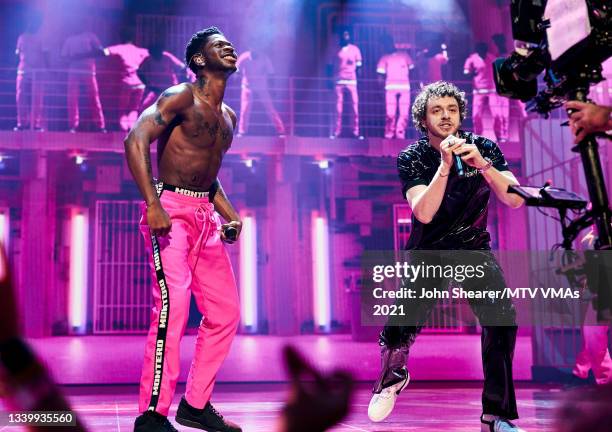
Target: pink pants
{"type": "Point", "coordinates": [352, 88]}
{"type": "Point", "coordinates": [29, 95]}
{"type": "Point", "coordinates": [191, 259]}
{"type": "Point", "coordinates": [246, 105]}
{"type": "Point", "coordinates": [500, 110]}
{"type": "Point", "coordinates": [594, 354]}
{"type": "Point", "coordinates": [76, 79]}
{"type": "Point", "coordinates": [397, 128]}
{"type": "Point", "coordinates": [130, 98]}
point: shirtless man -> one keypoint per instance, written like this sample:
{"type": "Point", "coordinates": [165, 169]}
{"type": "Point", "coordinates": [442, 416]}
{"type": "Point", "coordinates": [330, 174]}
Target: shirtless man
{"type": "Point", "coordinates": [194, 130]}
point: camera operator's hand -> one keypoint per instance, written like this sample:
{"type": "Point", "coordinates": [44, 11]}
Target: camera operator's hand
{"type": "Point", "coordinates": [447, 147]}
{"type": "Point", "coordinates": [588, 118]}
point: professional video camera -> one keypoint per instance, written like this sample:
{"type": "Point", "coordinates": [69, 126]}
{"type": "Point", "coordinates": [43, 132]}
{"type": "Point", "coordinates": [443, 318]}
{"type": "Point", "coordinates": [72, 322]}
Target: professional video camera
{"type": "Point", "coordinates": [567, 40]}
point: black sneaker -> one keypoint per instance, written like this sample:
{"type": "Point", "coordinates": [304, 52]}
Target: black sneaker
{"type": "Point", "coordinates": [150, 421]}
{"type": "Point", "coordinates": [207, 419]}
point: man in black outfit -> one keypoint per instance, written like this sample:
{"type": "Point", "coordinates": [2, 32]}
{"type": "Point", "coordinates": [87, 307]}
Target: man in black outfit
{"type": "Point", "coordinates": [449, 212]}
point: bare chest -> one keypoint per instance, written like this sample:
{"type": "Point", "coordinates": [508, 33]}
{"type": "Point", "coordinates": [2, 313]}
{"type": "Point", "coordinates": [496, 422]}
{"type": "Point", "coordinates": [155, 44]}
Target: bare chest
{"type": "Point", "coordinates": [206, 128]}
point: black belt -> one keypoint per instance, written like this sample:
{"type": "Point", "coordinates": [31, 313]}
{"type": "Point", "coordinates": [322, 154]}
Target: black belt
{"type": "Point", "coordinates": [185, 191]}
{"type": "Point", "coordinates": [210, 194]}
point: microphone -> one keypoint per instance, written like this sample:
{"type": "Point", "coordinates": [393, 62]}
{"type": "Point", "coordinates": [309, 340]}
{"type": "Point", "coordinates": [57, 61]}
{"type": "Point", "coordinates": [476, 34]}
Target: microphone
{"type": "Point", "coordinates": [459, 166]}
{"type": "Point", "coordinates": [458, 162]}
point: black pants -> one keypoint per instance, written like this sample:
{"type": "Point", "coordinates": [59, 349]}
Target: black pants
{"type": "Point", "coordinates": [497, 317]}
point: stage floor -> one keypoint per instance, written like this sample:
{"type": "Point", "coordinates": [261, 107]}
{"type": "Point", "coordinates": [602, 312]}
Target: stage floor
{"type": "Point", "coordinates": [447, 406]}
{"type": "Point", "coordinates": [92, 360]}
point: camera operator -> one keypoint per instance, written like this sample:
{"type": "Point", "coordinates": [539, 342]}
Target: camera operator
{"type": "Point", "coordinates": [588, 118]}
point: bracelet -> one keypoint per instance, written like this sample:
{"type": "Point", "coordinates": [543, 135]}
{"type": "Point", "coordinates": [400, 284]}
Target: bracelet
{"type": "Point", "coordinates": [487, 166]}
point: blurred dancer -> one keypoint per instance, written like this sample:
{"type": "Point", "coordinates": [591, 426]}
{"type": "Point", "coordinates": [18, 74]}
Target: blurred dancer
{"type": "Point", "coordinates": [256, 67]}
{"type": "Point", "coordinates": [395, 67]}
{"type": "Point", "coordinates": [33, 58]}
{"type": "Point", "coordinates": [499, 40]}
{"type": "Point", "coordinates": [348, 59]}
{"type": "Point", "coordinates": [479, 66]}
{"type": "Point", "coordinates": [435, 59]}
{"type": "Point", "coordinates": [158, 72]}
{"type": "Point", "coordinates": [594, 354]}
{"type": "Point", "coordinates": [132, 89]}
{"type": "Point", "coordinates": [79, 50]}
{"type": "Point", "coordinates": [185, 237]}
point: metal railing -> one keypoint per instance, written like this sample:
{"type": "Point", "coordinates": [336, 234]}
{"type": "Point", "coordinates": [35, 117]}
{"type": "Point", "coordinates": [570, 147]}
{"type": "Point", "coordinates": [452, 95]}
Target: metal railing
{"type": "Point", "coordinates": [306, 105]}
{"type": "Point", "coordinates": [122, 279]}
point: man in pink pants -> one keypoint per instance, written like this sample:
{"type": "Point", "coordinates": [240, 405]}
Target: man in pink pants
{"type": "Point", "coordinates": [132, 89]}
{"type": "Point", "coordinates": [479, 65]}
{"type": "Point", "coordinates": [194, 130]}
{"type": "Point", "coordinates": [256, 67]}
{"type": "Point", "coordinates": [348, 60]}
{"type": "Point", "coordinates": [594, 354]}
{"type": "Point", "coordinates": [80, 50]}
{"type": "Point", "coordinates": [158, 72]}
{"type": "Point", "coordinates": [395, 67]}
{"type": "Point", "coordinates": [33, 55]}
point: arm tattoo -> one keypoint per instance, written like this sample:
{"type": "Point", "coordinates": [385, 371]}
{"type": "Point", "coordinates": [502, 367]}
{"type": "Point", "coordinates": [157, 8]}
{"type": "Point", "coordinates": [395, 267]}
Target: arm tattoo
{"type": "Point", "coordinates": [201, 82]}
{"type": "Point", "coordinates": [147, 158]}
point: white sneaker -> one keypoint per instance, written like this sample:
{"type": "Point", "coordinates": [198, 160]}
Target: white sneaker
{"type": "Point", "coordinates": [491, 423]}
{"type": "Point", "coordinates": [382, 403]}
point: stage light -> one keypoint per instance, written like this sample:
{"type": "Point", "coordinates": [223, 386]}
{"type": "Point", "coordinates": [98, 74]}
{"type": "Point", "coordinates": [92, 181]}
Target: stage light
{"type": "Point", "coordinates": [3, 265]}
{"type": "Point", "coordinates": [5, 228]}
{"type": "Point", "coordinates": [248, 163]}
{"type": "Point", "coordinates": [248, 273]}
{"type": "Point", "coordinates": [79, 159]}
{"type": "Point", "coordinates": [323, 164]}
{"type": "Point", "coordinates": [77, 313]}
{"type": "Point", "coordinates": [320, 273]}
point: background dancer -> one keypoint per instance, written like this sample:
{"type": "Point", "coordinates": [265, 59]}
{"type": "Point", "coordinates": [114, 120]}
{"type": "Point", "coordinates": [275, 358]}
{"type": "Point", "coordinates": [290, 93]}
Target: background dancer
{"type": "Point", "coordinates": [479, 65]}
{"type": "Point", "coordinates": [395, 66]}
{"type": "Point", "coordinates": [348, 59]}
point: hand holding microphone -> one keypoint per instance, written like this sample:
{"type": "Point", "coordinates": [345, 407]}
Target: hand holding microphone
{"type": "Point", "coordinates": [447, 148]}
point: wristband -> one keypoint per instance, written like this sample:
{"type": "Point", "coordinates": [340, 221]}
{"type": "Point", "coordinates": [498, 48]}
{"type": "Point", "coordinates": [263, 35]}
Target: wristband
{"type": "Point", "coordinates": [487, 166]}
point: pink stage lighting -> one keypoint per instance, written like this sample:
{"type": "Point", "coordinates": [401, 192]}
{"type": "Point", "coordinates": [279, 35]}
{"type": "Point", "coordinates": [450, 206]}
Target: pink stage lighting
{"type": "Point", "coordinates": [248, 274]}
{"type": "Point", "coordinates": [4, 228]}
{"type": "Point", "coordinates": [320, 273]}
{"type": "Point", "coordinates": [77, 313]}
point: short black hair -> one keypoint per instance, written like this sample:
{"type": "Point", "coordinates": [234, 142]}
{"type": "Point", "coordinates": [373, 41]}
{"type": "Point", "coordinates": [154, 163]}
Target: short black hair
{"type": "Point", "coordinates": [481, 48]}
{"type": "Point", "coordinates": [195, 44]}
{"type": "Point", "coordinates": [127, 33]}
